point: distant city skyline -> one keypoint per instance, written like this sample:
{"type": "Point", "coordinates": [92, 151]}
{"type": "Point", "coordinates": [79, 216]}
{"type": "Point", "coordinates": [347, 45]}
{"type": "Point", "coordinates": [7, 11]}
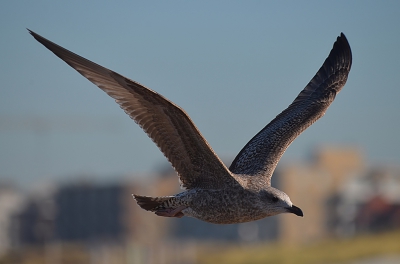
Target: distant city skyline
{"type": "Point", "coordinates": [233, 66]}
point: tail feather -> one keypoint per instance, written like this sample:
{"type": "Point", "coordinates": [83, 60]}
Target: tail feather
{"type": "Point", "coordinates": [150, 203]}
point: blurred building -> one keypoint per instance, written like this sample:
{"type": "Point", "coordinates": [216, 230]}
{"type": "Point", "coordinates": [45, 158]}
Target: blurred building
{"type": "Point", "coordinates": [73, 213]}
{"type": "Point", "coordinates": [314, 187]}
{"type": "Point", "coordinates": [33, 223]}
{"type": "Point", "coordinates": [371, 202]}
{"type": "Point", "coordinates": [340, 196]}
{"type": "Point", "coordinates": [89, 213]}
{"type": "Point", "coordinates": [11, 201]}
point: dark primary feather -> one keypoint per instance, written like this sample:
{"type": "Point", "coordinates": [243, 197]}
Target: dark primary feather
{"type": "Point", "coordinates": [261, 154]}
{"type": "Point", "coordinates": [163, 121]}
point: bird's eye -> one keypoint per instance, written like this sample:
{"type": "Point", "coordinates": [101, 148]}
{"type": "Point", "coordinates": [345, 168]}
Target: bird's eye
{"type": "Point", "coordinates": [275, 199]}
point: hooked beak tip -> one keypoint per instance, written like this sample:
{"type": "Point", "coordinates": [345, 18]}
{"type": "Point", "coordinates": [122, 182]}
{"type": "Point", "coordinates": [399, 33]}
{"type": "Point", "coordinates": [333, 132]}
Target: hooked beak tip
{"type": "Point", "coordinates": [295, 210]}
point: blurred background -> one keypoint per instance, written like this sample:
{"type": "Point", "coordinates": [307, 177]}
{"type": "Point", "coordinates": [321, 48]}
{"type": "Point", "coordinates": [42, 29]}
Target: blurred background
{"type": "Point", "coordinates": [70, 158]}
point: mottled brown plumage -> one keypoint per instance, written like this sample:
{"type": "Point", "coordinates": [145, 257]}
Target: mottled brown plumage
{"type": "Point", "coordinates": [215, 193]}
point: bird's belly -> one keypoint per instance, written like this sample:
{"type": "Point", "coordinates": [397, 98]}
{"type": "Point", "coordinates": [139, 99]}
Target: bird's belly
{"type": "Point", "coordinates": [225, 207]}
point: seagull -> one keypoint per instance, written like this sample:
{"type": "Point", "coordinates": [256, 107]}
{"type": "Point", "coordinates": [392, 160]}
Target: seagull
{"type": "Point", "coordinates": [213, 192]}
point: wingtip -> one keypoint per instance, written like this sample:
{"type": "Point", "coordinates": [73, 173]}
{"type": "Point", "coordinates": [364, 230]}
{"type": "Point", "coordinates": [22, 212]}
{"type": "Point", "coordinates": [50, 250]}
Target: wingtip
{"type": "Point", "coordinates": [342, 46]}
{"type": "Point", "coordinates": [343, 37]}
{"type": "Point", "coordinates": [35, 35]}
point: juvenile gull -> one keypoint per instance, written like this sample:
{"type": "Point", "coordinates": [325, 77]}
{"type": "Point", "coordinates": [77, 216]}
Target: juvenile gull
{"type": "Point", "coordinates": [215, 193]}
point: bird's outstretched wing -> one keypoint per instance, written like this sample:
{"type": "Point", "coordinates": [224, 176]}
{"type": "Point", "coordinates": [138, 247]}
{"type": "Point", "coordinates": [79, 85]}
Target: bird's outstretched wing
{"type": "Point", "coordinates": [261, 154]}
{"type": "Point", "coordinates": [164, 122]}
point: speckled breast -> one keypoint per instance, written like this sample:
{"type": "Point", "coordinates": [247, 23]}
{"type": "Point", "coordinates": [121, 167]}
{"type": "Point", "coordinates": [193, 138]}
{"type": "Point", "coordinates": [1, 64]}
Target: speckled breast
{"type": "Point", "coordinates": [224, 206]}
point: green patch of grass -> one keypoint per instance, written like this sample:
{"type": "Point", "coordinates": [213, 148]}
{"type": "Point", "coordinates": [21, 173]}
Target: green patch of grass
{"type": "Point", "coordinates": [330, 251]}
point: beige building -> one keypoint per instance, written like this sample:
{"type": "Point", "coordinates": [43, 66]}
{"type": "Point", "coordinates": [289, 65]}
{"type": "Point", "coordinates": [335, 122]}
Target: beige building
{"type": "Point", "coordinates": [311, 186]}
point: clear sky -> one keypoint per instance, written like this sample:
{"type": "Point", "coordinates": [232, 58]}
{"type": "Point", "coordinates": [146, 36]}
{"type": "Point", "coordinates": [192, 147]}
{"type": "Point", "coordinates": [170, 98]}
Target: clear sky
{"type": "Point", "coordinates": [232, 65]}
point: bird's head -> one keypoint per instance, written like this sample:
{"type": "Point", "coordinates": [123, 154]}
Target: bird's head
{"type": "Point", "coordinates": [277, 202]}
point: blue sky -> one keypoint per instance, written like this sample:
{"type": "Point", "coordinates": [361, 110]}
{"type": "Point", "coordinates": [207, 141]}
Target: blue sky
{"type": "Point", "coordinates": [232, 65]}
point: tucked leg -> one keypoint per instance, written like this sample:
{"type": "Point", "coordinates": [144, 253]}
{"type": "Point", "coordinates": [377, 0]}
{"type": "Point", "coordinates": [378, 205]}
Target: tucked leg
{"type": "Point", "coordinates": [169, 212]}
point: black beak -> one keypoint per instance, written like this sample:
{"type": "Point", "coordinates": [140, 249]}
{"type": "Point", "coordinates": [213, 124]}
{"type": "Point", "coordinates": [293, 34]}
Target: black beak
{"type": "Point", "coordinates": [295, 210]}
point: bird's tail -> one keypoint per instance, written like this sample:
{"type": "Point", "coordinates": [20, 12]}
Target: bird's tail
{"type": "Point", "coordinates": [151, 203]}
{"type": "Point", "coordinates": [161, 206]}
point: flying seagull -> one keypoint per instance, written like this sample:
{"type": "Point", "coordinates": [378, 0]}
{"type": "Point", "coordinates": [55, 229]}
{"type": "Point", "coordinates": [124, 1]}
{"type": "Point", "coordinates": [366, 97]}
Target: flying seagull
{"type": "Point", "coordinates": [213, 192]}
